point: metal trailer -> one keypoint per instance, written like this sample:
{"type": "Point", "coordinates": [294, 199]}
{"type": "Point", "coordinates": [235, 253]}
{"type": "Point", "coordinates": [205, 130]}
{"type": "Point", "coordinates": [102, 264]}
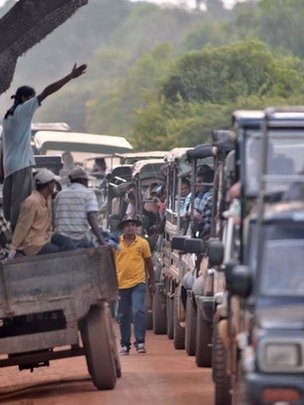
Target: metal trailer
{"type": "Point", "coordinates": [57, 306]}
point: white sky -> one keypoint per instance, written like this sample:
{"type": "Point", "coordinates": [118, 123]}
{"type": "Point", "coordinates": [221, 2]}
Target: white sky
{"type": "Point", "coordinates": [190, 3]}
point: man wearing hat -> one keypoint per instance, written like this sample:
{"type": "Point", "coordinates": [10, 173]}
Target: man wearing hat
{"type": "Point", "coordinates": [132, 260]}
{"type": "Point", "coordinates": [76, 208]}
{"type": "Point", "coordinates": [33, 230]}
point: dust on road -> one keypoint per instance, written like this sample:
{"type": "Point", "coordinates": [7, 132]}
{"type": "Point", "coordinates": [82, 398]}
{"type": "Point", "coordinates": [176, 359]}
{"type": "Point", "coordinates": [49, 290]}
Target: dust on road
{"type": "Point", "coordinates": [163, 376]}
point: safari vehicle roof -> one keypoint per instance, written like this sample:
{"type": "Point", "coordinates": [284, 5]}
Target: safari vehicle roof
{"type": "Point", "coordinates": [200, 151]}
{"type": "Point", "coordinates": [147, 169]}
{"type": "Point", "coordinates": [80, 142]}
{"type": "Point", "coordinates": [283, 117]}
{"type": "Point", "coordinates": [132, 157]}
{"type": "Point", "coordinates": [247, 118]}
{"type": "Point", "coordinates": [123, 171]}
{"type": "Point", "coordinates": [224, 139]}
{"type": "Point", "coordinates": [176, 154]}
{"type": "Point", "coordinates": [50, 126]}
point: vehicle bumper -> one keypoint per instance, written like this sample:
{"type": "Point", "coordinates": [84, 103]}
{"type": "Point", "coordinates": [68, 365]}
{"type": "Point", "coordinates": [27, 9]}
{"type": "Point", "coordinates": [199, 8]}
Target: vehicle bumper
{"type": "Point", "coordinates": [284, 388]}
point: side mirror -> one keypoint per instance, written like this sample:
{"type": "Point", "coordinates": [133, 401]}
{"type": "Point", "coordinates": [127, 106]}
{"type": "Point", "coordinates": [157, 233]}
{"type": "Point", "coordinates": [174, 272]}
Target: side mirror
{"type": "Point", "coordinates": [195, 245]}
{"type": "Point", "coordinates": [178, 243]}
{"type": "Point", "coordinates": [240, 283]}
{"type": "Point", "coordinates": [215, 251]}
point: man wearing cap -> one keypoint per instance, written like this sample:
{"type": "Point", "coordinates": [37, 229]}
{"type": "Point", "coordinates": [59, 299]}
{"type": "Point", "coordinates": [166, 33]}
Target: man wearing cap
{"type": "Point", "coordinates": [33, 230]}
{"type": "Point", "coordinates": [76, 208]}
{"type": "Point", "coordinates": [132, 260]}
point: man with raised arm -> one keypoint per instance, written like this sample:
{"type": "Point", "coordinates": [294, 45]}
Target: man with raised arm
{"type": "Point", "coordinates": [18, 156]}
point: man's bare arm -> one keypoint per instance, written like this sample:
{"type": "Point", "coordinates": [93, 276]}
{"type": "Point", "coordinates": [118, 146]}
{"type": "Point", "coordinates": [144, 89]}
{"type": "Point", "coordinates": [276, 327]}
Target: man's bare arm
{"type": "Point", "coordinates": [150, 270]}
{"type": "Point", "coordinates": [95, 228]}
{"type": "Point", "coordinates": [52, 88]}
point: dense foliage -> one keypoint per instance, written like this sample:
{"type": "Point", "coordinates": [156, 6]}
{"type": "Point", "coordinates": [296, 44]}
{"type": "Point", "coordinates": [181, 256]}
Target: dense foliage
{"type": "Point", "coordinates": [166, 77]}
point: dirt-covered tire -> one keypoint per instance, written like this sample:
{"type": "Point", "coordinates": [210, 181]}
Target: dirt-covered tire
{"type": "Point", "coordinates": [219, 369]}
{"type": "Point", "coordinates": [149, 316]}
{"type": "Point", "coordinates": [169, 311]}
{"type": "Point", "coordinates": [203, 352]}
{"type": "Point", "coordinates": [179, 331]}
{"type": "Point", "coordinates": [97, 340]}
{"type": "Point", "coordinates": [190, 332]}
{"type": "Point", "coordinates": [159, 313]}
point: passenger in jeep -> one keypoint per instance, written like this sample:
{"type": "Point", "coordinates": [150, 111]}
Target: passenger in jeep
{"type": "Point", "coordinates": [203, 201]}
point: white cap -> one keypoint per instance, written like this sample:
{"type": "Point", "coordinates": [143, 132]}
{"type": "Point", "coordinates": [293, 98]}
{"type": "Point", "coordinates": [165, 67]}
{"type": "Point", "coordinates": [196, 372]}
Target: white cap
{"type": "Point", "coordinates": [44, 176]}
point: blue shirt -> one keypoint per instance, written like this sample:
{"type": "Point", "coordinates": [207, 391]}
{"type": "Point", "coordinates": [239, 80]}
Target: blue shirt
{"type": "Point", "coordinates": [17, 150]}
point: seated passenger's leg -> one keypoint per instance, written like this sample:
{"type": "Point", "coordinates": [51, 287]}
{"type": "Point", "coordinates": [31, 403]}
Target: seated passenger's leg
{"type": "Point", "coordinates": [48, 248]}
{"type": "Point", "coordinates": [63, 242]}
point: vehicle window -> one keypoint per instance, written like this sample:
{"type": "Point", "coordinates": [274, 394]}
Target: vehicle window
{"type": "Point", "coordinates": [282, 267]}
{"type": "Point", "coordinates": [285, 161]}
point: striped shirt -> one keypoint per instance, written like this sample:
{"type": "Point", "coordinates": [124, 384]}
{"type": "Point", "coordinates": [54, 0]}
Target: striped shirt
{"type": "Point", "coordinates": [72, 206]}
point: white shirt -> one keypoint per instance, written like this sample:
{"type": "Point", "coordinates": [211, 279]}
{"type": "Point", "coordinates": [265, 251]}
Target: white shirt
{"type": "Point", "coordinates": [72, 206]}
{"type": "Point", "coordinates": [17, 149]}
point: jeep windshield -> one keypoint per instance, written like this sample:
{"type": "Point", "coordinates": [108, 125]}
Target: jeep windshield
{"type": "Point", "coordinates": [282, 260]}
{"type": "Point", "coordinates": [285, 160]}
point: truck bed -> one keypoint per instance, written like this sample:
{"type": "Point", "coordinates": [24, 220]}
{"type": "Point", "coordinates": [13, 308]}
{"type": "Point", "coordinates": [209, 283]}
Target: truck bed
{"type": "Point", "coordinates": [47, 282]}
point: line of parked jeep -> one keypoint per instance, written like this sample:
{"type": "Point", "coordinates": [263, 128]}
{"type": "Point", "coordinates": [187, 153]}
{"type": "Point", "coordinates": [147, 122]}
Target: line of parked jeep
{"type": "Point", "coordinates": [235, 300]}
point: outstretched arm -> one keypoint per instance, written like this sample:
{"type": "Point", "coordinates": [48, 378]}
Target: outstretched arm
{"type": "Point", "coordinates": [52, 88]}
{"type": "Point", "coordinates": [95, 228]}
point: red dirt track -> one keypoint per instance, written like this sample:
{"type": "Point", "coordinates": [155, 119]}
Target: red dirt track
{"type": "Point", "coordinates": [161, 376]}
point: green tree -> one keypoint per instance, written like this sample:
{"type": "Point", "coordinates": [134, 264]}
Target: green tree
{"type": "Point", "coordinates": [204, 88]}
{"type": "Point", "coordinates": [114, 111]}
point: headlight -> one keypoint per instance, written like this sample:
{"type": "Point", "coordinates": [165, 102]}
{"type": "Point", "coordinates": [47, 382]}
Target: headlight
{"type": "Point", "coordinates": [282, 355]}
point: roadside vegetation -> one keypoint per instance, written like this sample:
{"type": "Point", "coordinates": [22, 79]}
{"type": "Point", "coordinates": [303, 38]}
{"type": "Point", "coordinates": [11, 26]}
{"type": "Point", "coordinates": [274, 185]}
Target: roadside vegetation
{"type": "Point", "coordinates": [165, 77]}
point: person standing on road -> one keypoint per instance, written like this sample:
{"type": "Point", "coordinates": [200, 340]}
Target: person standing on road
{"type": "Point", "coordinates": [33, 230]}
{"type": "Point", "coordinates": [18, 156]}
{"type": "Point", "coordinates": [76, 208]}
{"type": "Point", "coordinates": [132, 260]}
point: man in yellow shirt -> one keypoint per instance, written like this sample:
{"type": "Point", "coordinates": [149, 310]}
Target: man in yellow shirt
{"type": "Point", "coordinates": [132, 259]}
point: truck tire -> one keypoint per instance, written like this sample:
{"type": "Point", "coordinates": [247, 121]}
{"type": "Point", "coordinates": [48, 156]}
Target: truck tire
{"type": "Point", "coordinates": [159, 314]}
{"type": "Point", "coordinates": [203, 350]}
{"type": "Point", "coordinates": [97, 336]}
{"type": "Point", "coordinates": [149, 320]}
{"type": "Point", "coordinates": [219, 369]}
{"type": "Point", "coordinates": [114, 343]}
{"type": "Point", "coordinates": [190, 332]}
{"type": "Point", "coordinates": [179, 331]}
{"type": "Point", "coordinates": [170, 329]}
{"type": "Point", "coordinates": [149, 317]}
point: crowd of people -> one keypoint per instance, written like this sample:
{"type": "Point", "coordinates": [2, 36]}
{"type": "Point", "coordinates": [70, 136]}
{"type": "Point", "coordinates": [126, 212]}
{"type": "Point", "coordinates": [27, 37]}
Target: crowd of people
{"type": "Point", "coordinates": [41, 224]}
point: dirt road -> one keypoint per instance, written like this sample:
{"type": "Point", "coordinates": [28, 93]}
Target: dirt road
{"type": "Point", "coordinates": [163, 376]}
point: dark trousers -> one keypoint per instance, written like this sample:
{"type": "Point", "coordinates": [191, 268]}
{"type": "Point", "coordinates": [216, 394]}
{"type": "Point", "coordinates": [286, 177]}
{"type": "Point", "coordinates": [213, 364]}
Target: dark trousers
{"type": "Point", "coordinates": [58, 243]}
{"type": "Point", "coordinates": [131, 307]}
{"type": "Point", "coordinates": [16, 188]}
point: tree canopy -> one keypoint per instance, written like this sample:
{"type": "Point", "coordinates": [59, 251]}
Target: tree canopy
{"type": "Point", "coordinates": [167, 76]}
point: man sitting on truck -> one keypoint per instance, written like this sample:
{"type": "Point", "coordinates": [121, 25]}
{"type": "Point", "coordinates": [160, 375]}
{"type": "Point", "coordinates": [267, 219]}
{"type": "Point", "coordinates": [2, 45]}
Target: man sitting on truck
{"type": "Point", "coordinates": [76, 208]}
{"type": "Point", "coordinates": [33, 231]}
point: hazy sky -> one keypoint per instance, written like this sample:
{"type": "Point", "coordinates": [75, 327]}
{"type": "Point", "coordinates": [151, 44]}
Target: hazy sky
{"type": "Point", "coordinates": [189, 2]}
